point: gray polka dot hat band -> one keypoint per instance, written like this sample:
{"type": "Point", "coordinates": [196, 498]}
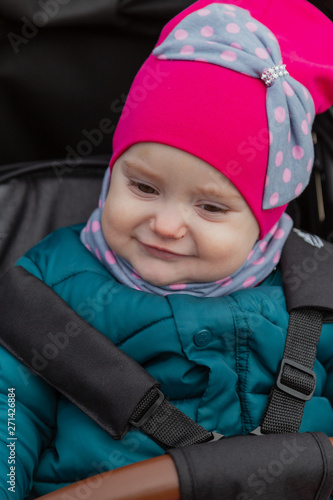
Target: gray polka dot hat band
{"type": "Point", "coordinates": [227, 36]}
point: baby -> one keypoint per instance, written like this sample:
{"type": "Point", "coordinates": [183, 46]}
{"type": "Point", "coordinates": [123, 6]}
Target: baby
{"type": "Point", "coordinates": [188, 237]}
{"type": "Point", "coordinates": [175, 219]}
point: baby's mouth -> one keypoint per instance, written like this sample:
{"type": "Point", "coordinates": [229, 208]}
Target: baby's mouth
{"type": "Point", "coordinates": [161, 253]}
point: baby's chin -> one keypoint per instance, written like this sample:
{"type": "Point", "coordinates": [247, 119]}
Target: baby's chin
{"type": "Point", "coordinates": [164, 282]}
{"type": "Point", "coordinates": [165, 277]}
{"type": "Point", "coordinates": [162, 279]}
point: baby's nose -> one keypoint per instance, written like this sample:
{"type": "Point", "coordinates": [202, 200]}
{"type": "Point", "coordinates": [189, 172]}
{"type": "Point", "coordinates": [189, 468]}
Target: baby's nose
{"type": "Point", "coordinates": [169, 223]}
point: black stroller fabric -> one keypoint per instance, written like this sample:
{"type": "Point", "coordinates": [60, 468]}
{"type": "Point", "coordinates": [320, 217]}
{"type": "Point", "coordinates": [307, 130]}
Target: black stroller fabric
{"type": "Point", "coordinates": [66, 66]}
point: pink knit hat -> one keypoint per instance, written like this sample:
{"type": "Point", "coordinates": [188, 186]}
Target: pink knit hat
{"type": "Point", "coordinates": [202, 91]}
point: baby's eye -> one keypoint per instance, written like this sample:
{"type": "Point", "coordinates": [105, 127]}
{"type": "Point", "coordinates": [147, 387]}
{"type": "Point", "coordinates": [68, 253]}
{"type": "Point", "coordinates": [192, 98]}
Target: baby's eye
{"type": "Point", "coordinates": [145, 188]}
{"type": "Point", "coordinates": [141, 186]}
{"type": "Point", "coordinates": [213, 208]}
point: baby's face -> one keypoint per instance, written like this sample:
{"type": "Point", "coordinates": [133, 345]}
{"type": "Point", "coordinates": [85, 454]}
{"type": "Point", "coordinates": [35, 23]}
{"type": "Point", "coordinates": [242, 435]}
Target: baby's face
{"type": "Point", "coordinates": [175, 218]}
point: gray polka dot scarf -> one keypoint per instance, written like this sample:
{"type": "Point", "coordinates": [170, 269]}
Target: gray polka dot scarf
{"type": "Point", "coordinates": [261, 261]}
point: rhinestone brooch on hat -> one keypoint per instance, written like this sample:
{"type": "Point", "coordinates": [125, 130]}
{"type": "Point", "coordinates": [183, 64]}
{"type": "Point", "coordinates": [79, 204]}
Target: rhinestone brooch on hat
{"type": "Point", "coordinates": [271, 74]}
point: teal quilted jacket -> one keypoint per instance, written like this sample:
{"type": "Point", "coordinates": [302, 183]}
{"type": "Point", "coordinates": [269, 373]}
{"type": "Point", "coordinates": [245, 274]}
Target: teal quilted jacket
{"type": "Point", "coordinates": [216, 359]}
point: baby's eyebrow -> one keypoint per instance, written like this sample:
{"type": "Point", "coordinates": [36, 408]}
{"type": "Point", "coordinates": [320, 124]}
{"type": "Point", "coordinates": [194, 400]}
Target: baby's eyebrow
{"type": "Point", "coordinates": [140, 167]}
{"type": "Point", "coordinates": [219, 192]}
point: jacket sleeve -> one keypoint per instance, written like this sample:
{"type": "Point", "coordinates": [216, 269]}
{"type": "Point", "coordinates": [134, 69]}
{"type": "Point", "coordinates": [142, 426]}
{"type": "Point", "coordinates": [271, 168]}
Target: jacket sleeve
{"type": "Point", "coordinates": [274, 466]}
{"type": "Point", "coordinates": [27, 418]}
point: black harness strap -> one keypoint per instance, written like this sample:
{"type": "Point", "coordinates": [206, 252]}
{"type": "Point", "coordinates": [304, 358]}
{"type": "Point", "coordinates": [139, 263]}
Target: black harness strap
{"type": "Point", "coordinates": [307, 274]}
{"type": "Point", "coordinates": [167, 425]}
{"type": "Point", "coordinates": [45, 334]}
{"type": "Point", "coordinates": [296, 380]}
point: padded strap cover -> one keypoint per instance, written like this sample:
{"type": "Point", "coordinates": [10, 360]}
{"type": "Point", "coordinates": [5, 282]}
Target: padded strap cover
{"type": "Point", "coordinates": [44, 333]}
{"type": "Point", "coordinates": [307, 272]}
{"type": "Point", "coordinates": [273, 466]}
{"type": "Point", "coordinates": [28, 305]}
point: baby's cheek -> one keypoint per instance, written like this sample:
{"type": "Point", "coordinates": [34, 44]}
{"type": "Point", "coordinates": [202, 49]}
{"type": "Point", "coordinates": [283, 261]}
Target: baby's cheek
{"type": "Point", "coordinates": [104, 220]}
{"type": "Point", "coordinates": [108, 225]}
{"type": "Point", "coordinates": [215, 244]}
{"type": "Point", "coordinates": [116, 227]}
{"type": "Point", "coordinates": [224, 254]}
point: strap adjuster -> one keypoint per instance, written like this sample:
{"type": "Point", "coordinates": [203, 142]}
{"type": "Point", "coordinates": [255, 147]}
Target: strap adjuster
{"type": "Point", "coordinates": [150, 410]}
{"type": "Point", "coordinates": [289, 390]}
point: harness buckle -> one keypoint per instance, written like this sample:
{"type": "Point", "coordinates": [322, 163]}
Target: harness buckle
{"type": "Point", "coordinates": [289, 390]}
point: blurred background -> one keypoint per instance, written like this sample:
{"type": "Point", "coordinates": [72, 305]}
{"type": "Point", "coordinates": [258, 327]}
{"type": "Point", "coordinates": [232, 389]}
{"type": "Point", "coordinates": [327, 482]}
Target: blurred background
{"type": "Point", "coordinates": [65, 70]}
